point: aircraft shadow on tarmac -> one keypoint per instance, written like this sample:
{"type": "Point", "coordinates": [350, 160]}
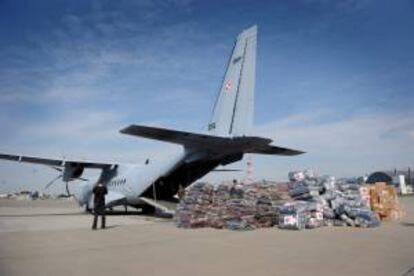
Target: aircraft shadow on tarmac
{"type": "Point", "coordinates": [108, 213]}
{"type": "Point", "coordinates": [38, 215]}
{"type": "Point", "coordinates": [138, 213]}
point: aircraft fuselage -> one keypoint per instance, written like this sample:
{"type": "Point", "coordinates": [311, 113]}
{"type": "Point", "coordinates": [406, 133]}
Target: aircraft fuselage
{"type": "Point", "coordinates": [131, 180]}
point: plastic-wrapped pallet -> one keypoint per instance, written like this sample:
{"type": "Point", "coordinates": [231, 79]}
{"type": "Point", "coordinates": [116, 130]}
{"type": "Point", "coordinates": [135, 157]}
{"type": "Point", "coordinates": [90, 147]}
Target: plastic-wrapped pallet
{"type": "Point", "coordinates": [241, 224]}
{"type": "Point", "coordinates": [317, 201]}
{"type": "Point", "coordinates": [366, 218]}
{"type": "Point", "coordinates": [300, 192]}
{"type": "Point", "coordinates": [296, 176]}
{"type": "Point", "coordinates": [215, 216]}
{"type": "Point", "coordinates": [265, 216]}
{"type": "Point", "coordinates": [328, 213]}
{"type": "Point", "coordinates": [309, 174]}
{"type": "Point", "coordinates": [339, 201]}
{"type": "Point", "coordinates": [328, 182]}
{"type": "Point", "coordinates": [315, 214]}
{"type": "Point", "coordinates": [314, 220]}
{"type": "Point", "coordinates": [293, 216]}
{"type": "Point", "coordinates": [365, 192]}
{"type": "Point", "coordinates": [222, 193]}
{"type": "Point", "coordinates": [192, 210]}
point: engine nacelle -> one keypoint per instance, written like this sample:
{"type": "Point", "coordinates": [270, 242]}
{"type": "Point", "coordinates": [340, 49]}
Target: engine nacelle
{"type": "Point", "coordinates": [72, 171]}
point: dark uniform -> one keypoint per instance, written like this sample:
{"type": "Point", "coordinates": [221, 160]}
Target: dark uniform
{"type": "Point", "coordinates": [99, 192]}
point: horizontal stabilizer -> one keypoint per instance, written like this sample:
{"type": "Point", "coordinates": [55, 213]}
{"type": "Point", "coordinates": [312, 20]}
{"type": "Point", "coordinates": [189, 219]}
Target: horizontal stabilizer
{"type": "Point", "coordinates": [274, 150]}
{"type": "Point", "coordinates": [174, 136]}
{"type": "Point", "coordinates": [245, 144]}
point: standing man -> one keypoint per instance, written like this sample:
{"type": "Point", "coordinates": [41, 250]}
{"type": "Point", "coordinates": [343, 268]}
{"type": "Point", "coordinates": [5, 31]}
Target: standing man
{"type": "Point", "coordinates": [233, 188]}
{"type": "Point", "coordinates": [181, 192]}
{"type": "Point", "coordinates": [99, 192]}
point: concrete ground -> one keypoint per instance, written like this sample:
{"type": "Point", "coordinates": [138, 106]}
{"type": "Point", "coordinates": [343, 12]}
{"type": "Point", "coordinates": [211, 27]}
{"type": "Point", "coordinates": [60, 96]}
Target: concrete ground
{"type": "Point", "coordinates": [54, 238]}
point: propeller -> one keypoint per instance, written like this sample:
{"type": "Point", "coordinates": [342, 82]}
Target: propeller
{"type": "Point", "coordinates": [53, 181]}
{"type": "Point", "coordinates": [61, 176]}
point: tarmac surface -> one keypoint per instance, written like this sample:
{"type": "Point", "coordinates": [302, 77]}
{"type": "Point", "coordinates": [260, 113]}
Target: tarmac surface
{"type": "Point", "coordinates": [53, 237]}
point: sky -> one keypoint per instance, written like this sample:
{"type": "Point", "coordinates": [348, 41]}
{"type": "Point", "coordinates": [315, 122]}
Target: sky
{"type": "Point", "coordinates": [333, 78]}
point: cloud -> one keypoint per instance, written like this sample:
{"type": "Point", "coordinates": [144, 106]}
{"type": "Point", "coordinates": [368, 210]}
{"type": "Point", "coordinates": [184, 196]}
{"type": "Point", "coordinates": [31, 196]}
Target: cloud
{"type": "Point", "coordinates": [90, 134]}
{"type": "Point", "coordinates": [79, 124]}
{"type": "Point", "coordinates": [343, 5]}
{"type": "Point", "coordinates": [351, 146]}
{"type": "Point", "coordinates": [84, 49]}
{"type": "Point", "coordinates": [353, 5]}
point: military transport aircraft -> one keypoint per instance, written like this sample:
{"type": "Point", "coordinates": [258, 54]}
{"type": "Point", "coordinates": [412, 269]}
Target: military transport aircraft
{"type": "Point", "coordinates": [227, 140]}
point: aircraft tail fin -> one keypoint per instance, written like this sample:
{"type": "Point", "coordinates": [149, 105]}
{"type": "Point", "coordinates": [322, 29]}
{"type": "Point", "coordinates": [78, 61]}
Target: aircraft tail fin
{"type": "Point", "coordinates": [233, 110]}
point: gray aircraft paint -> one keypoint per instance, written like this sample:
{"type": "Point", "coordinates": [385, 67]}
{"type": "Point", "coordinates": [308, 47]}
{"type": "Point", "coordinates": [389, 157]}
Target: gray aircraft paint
{"type": "Point", "coordinates": [233, 111]}
{"type": "Point", "coordinates": [131, 180]}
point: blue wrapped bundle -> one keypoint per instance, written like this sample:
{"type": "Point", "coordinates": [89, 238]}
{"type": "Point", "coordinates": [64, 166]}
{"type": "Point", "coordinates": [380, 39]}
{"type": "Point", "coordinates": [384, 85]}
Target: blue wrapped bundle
{"type": "Point", "coordinates": [238, 224]}
{"type": "Point", "coordinates": [300, 191]}
{"type": "Point", "coordinates": [328, 213]}
{"type": "Point", "coordinates": [366, 218]}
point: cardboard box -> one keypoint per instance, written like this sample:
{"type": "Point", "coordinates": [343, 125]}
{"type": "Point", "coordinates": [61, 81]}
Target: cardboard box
{"type": "Point", "coordinates": [384, 202]}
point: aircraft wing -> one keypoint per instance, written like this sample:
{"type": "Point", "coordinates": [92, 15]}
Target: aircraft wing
{"type": "Point", "coordinates": [53, 162]}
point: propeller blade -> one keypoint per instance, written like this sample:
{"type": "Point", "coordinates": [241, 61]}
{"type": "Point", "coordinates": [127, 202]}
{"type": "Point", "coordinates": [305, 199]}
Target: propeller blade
{"type": "Point", "coordinates": [57, 168]}
{"type": "Point", "coordinates": [53, 181]}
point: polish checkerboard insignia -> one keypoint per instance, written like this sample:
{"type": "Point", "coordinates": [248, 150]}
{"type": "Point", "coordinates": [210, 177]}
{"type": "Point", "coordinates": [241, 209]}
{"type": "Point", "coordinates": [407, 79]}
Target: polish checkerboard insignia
{"type": "Point", "coordinates": [227, 86]}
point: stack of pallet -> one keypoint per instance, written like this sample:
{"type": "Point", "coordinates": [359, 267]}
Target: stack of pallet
{"type": "Point", "coordinates": [194, 208]}
{"type": "Point", "coordinates": [307, 201]}
{"type": "Point", "coordinates": [325, 202]}
{"type": "Point", "coordinates": [383, 200]}
{"type": "Point", "coordinates": [236, 207]}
